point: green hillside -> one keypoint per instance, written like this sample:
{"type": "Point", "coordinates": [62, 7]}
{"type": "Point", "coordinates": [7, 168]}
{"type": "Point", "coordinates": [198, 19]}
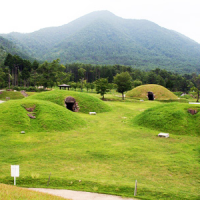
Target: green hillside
{"type": "Point", "coordinates": [103, 38]}
{"type": "Point", "coordinates": [173, 118]}
{"type": "Point", "coordinates": [85, 102]}
{"type": "Point", "coordinates": [49, 117]}
{"type": "Point", "coordinates": [12, 47]}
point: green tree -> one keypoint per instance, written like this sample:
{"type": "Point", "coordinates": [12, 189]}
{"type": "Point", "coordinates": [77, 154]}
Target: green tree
{"type": "Point", "coordinates": [92, 86]}
{"type": "Point", "coordinates": [25, 75]}
{"type": "Point", "coordinates": [49, 73]}
{"type": "Point", "coordinates": [61, 75]}
{"type": "Point", "coordinates": [88, 86]}
{"type": "Point", "coordinates": [197, 84]}
{"type": "Point", "coordinates": [137, 83]}
{"type": "Point", "coordinates": [2, 78]}
{"type": "Point", "coordinates": [123, 81]}
{"type": "Point", "coordinates": [34, 74]}
{"type": "Point", "coordinates": [81, 75]}
{"type": "Point", "coordinates": [102, 86]}
{"type": "Point", "coordinates": [73, 85]}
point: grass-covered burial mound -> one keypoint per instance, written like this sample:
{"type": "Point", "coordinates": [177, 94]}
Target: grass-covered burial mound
{"type": "Point", "coordinates": [37, 115]}
{"type": "Point", "coordinates": [85, 102]}
{"type": "Point", "coordinates": [11, 95]}
{"type": "Point", "coordinates": [160, 92]}
{"type": "Point", "coordinates": [173, 118]}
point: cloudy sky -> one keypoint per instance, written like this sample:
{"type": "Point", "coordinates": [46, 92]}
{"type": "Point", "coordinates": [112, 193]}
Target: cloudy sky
{"type": "Point", "coordinates": [30, 15]}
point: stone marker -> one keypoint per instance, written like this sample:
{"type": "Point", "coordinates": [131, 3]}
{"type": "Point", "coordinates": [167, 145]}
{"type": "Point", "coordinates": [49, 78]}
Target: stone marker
{"type": "Point", "coordinates": [194, 103]}
{"type": "Point", "coordinates": [166, 135]}
{"type": "Point", "coordinates": [92, 113]}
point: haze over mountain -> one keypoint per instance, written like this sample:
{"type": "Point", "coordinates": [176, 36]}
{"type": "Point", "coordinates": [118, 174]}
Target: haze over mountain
{"type": "Point", "coordinates": [103, 38]}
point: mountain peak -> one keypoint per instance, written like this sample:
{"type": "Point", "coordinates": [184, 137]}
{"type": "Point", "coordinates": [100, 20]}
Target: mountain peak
{"type": "Point", "coordinates": [99, 13]}
{"type": "Point", "coordinates": [101, 37]}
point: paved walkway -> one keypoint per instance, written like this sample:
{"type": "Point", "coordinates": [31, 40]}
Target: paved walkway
{"type": "Point", "coordinates": [1, 101]}
{"type": "Point", "coordinates": [78, 195]}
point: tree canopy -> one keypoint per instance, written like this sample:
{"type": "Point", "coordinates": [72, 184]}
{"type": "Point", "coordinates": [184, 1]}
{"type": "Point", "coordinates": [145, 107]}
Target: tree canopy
{"type": "Point", "coordinates": [102, 86]}
{"type": "Point", "coordinates": [123, 82]}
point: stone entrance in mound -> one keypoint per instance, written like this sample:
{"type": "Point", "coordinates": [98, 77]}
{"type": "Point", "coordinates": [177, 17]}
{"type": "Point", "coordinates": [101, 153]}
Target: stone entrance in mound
{"type": "Point", "coordinates": [150, 96]}
{"type": "Point", "coordinates": [71, 104]}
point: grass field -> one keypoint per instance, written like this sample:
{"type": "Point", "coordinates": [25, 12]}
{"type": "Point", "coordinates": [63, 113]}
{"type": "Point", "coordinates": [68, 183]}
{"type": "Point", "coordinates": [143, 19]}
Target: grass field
{"type": "Point", "coordinates": [106, 155]}
{"type": "Point", "coordinates": [11, 192]}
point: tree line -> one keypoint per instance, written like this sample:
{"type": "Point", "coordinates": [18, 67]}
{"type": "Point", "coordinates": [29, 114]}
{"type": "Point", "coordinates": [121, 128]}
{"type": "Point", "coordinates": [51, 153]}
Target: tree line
{"type": "Point", "coordinates": [17, 72]}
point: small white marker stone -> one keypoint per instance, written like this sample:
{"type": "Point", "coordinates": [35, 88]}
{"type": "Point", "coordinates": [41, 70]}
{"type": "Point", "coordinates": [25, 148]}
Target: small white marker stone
{"type": "Point", "coordinates": [194, 103]}
{"type": "Point", "coordinates": [92, 113]}
{"type": "Point", "coordinates": [166, 135]}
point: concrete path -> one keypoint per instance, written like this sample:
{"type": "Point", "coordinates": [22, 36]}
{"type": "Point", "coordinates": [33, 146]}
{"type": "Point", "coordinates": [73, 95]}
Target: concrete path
{"type": "Point", "coordinates": [1, 101]}
{"type": "Point", "coordinates": [78, 195]}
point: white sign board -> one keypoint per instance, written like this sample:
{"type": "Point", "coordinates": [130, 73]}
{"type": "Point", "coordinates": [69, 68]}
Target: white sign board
{"type": "Point", "coordinates": [15, 170]}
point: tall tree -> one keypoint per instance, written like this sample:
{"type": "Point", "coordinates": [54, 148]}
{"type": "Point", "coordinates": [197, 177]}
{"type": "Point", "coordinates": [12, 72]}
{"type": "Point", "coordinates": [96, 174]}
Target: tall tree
{"type": "Point", "coordinates": [123, 82]}
{"type": "Point", "coordinates": [102, 86]}
{"type": "Point", "coordinates": [197, 84]}
{"type": "Point", "coordinates": [2, 78]}
{"type": "Point", "coordinates": [81, 75]}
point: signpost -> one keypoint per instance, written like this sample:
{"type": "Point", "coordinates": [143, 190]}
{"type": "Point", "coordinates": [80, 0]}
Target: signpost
{"type": "Point", "coordinates": [15, 172]}
{"type": "Point", "coordinates": [135, 191]}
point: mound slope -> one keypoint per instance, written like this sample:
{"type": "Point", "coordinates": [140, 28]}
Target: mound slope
{"type": "Point", "coordinates": [160, 92]}
{"type": "Point", "coordinates": [86, 102]}
{"type": "Point", "coordinates": [172, 118]}
{"type": "Point", "coordinates": [11, 94]}
{"type": "Point", "coordinates": [49, 116]}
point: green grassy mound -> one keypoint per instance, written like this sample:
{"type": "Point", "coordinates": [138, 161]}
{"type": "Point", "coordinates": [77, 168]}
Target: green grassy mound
{"type": "Point", "coordinates": [172, 118]}
{"type": "Point", "coordinates": [11, 94]}
{"type": "Point", "coordinates": [49, 116]}
{"type": "Point", "coordinates": [160, 92]}
{"type": "Point", "coordinates": [86, 102]}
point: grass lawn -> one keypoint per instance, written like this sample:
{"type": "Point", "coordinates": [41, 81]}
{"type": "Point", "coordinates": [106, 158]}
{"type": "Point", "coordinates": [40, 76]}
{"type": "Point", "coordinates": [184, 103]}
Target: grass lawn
{"type": "Point", "coordinates": [106, 155]}
{"type": "Point", "coordinates": [11, 192]}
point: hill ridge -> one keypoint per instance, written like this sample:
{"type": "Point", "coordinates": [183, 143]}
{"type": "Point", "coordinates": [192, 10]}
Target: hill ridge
{"type": "Point", "coordinates": [140, 43]}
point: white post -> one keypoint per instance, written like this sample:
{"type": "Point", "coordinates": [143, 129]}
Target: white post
{"type": "Point", "coordinates": [14, 180]}
{"type": "Point", "coordinates": [135, 191]}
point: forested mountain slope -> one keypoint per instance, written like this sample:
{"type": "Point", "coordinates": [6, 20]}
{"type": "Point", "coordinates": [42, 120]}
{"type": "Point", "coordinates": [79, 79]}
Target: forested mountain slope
{"type": "Point", "coordinates": [103, 38]}
{"type": "Point", "coordinates": [7, 46]}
